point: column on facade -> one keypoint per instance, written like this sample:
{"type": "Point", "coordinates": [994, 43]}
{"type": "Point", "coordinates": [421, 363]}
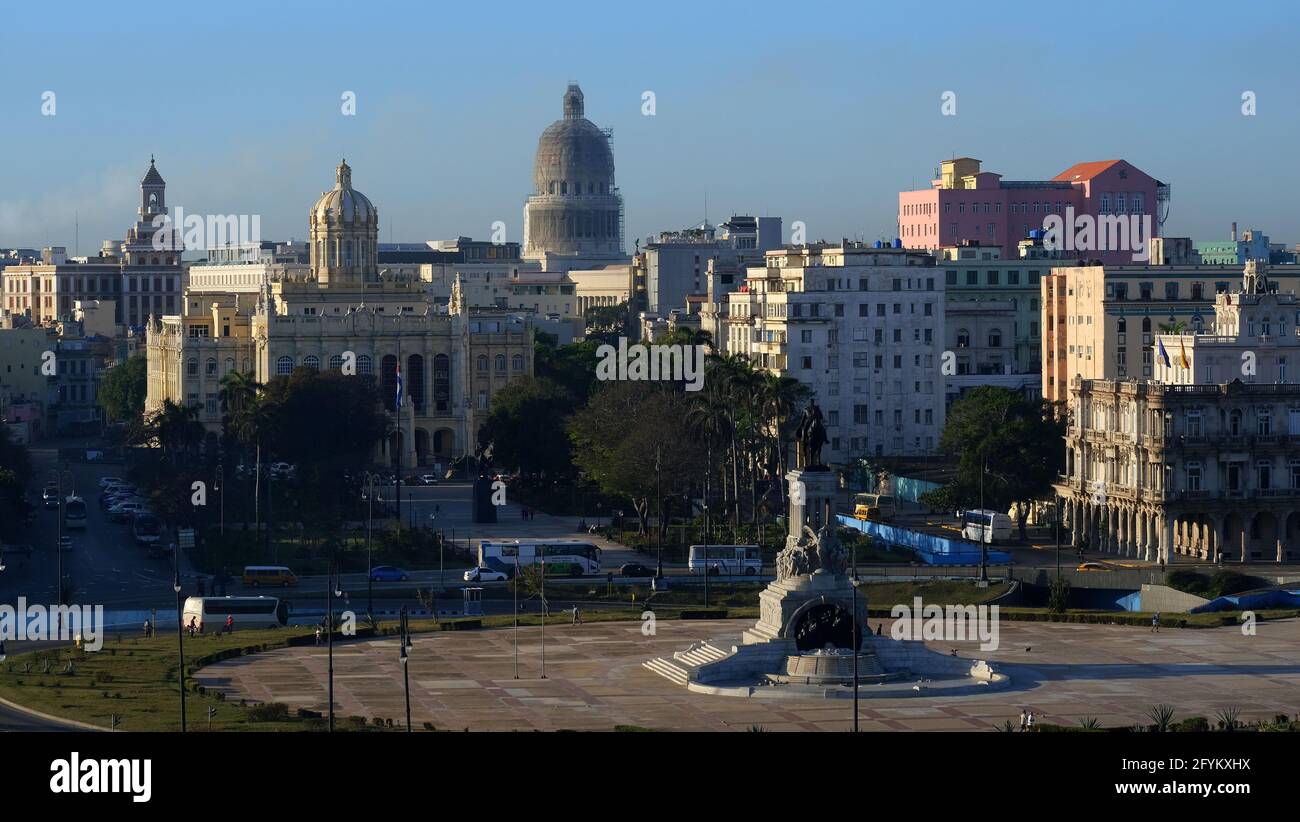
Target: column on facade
{"type": "Point", "coordinates": [1073, 508]}
{"type": "Point", "coordinates": [1139, 534]}
{"type": "Point", "coordinates": [1166, 539]}
{"type": "Point", "coordinates": [1121, 531]}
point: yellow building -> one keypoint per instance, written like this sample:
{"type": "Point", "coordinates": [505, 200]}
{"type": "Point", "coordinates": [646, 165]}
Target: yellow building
{"type": "Point", "coordinates": [342, 313]}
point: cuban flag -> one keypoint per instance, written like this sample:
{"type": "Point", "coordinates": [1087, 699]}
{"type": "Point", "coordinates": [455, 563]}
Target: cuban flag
{"type": "Point", "coordinates": [398, 404]}
{"type": "Point", "coordinates": [1160, 345]}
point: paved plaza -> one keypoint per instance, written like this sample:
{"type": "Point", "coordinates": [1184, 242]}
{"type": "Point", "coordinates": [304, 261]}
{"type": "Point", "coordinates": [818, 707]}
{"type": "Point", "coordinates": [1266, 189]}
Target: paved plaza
{"type": "Point", "coordinates": [1064, 672]}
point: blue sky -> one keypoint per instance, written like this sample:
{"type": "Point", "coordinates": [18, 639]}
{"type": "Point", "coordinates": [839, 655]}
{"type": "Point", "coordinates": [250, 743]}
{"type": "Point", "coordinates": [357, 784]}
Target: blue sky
{"type": "Point", "coordinates": [818, 112]}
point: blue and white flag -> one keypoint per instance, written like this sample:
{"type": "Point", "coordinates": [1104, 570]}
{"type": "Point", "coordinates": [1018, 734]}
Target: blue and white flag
{"type": "Point", "coordinates": [1164, 355]}
{"type": "Point", "coordinates": [398, 404]}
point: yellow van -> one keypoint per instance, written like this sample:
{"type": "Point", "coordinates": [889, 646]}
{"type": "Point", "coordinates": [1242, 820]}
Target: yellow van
{"type": "Point", "coordinates": [255, 576]}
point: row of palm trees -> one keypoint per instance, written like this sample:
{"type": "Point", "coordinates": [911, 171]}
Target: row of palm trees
{"type": "Point", "coordinates": [744, 416]}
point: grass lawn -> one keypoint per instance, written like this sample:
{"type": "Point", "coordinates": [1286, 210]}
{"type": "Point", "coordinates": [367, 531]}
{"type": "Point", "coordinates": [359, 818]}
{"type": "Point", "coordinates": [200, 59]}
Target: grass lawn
{"type": "Point", "coordinates": [938, 592]}
{"type": "Point", "coordinates": [135, 678]}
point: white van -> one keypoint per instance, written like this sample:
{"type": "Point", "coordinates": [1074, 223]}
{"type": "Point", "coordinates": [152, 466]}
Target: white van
{"type": "Point", "coordinates": [986, 526]}
{"type": "Point", "coordinates": [249, 612]}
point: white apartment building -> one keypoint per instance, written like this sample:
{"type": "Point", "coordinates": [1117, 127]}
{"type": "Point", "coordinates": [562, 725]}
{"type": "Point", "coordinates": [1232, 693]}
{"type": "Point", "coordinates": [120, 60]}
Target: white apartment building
{"type": "Point", "coordinates": [860, 325]}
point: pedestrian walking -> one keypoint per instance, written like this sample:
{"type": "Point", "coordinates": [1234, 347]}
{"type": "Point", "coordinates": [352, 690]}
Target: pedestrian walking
{"type": "Point", "coordinates": [230, 623]}
{"type": "Point", "coordinates": [577, 617]}
{"type": "Point", "coordinates": [148, 629]}
{"type": "Point", "coordinates": [318, 635]}
{"type": "Point", "coordinates": [1024, 719]}
{"type": "Point", "coordinates": [193, 626]}
{"type": "Point", "coordinates": [1155, 622]}
{"type": "Point", "coordinates": [1029, 721]}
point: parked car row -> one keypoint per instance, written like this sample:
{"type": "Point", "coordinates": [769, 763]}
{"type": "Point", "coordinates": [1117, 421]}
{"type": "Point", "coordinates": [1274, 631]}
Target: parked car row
{"type": "Point", "coordinates": [124, 503]}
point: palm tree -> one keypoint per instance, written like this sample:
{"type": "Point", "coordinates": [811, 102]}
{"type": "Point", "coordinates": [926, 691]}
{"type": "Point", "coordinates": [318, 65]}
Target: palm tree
{"type": "Point", "coordinates": [1175, 327]}
{"type": "Point", "coordinates": [176, 429]}
{"type": "Point", "coordinates": [708, 418]}
{"type": "Point", "coordinates": [239, 395]}
{"type": "Point", "coordinates": [780, 397]}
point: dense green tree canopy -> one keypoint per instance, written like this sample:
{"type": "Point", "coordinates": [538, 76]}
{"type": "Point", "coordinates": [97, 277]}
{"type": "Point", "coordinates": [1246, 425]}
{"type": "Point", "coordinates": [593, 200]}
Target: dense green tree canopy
{"type": "Point", "coordinates": [122, 390]}
{"type": "Point", "coordinates": [15, 473]}
{"type": "Point", "coordinates": [1015, 444]}
{"type": "Point", "coordinates": [527, 428]}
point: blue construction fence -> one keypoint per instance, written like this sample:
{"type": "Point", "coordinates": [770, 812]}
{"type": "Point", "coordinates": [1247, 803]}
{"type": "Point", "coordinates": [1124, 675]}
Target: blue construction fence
{"type": "Point", "coordinates": [1259, 601]}
{"type": "Point", "coordinates": [933, 549]}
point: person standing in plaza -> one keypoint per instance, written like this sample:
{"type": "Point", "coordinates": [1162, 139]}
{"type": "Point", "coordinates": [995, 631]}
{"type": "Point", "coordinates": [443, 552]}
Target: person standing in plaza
{"type": "Point", "coordinates": [1024, 718]}
{"type": "Point", "coordinates": [1155, 622]}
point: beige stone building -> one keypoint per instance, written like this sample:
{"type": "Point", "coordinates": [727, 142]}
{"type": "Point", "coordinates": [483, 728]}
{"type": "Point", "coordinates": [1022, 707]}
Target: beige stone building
{"type": "Point", "coordinates": [343, 313]}
{"type": "Point", "coordinates": [1100, 322]}
{"type": "Point", "coordinates": [863, 328]}
{"type": "Point", "coordinates": [1209, 470]}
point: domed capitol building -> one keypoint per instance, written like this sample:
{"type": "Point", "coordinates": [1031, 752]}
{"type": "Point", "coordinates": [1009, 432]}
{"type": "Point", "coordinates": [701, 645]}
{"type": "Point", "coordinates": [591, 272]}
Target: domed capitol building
{"type": "Point", "coordinates": [343, 308]}
{"type": "Point", "coordinates": [574, 218]}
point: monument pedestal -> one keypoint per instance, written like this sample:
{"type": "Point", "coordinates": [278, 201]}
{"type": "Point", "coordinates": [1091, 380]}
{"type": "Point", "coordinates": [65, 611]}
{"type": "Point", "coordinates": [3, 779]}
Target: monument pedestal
{"type": "Point", "coordinates": [812, 497]}
{"type": "Point", "coordinates": [786, 604]}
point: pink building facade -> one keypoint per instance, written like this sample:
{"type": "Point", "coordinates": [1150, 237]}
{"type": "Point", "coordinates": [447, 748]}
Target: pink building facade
{"type": "Point", "coordinates": [969, 205]}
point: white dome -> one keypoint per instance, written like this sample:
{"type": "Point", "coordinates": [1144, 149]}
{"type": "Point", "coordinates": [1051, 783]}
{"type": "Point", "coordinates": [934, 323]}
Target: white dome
{"type": "Point", "coordinates": [343, 202]}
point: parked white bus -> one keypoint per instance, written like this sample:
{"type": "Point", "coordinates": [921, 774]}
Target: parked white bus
{"type": "Point", "coordinates": [563, 557]}
{"type": "Point", "coordinates": [725, 559]}
{"type": "Point", "coordinates": [249, 612]}
{"type": "Point", "coordinates": [986, 526]}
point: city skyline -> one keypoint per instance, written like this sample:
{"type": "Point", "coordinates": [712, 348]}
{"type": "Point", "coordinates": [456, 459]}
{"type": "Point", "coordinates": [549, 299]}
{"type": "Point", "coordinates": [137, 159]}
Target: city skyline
{"type": "Point", "coordinates": [445, 150]}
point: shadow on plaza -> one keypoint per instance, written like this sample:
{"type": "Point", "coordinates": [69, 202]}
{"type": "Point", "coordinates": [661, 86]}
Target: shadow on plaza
{"type": "Point", "coordinates": [1026, 676]}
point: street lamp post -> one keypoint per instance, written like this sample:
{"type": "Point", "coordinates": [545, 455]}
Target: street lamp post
{"type": "Point", "coordinates": [514, 585]}
{"type": "Point", "coordinates": [405, 642]}
{"type": "Point", "coordinates": [544, 610]}
{"type": "Point", "coordinates": [370, 518]}
{"type": "Point", "coordinates": [857, 639]}
{"type": "Point", "coordinates": [659, 514]}
{"type": "Point", "coordinates": [707, 569]}
{"type": "Point", "coordinates": [180, 636]}
{"type": "Point", "coordinates": [331, 584]}
{"type": "Point", "coordinates": [985, 530]}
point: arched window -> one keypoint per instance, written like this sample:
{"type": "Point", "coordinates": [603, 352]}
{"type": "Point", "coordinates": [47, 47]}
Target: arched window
{"type": "Point", "coordinates": [347, 252]}
{"type": "Point", "coordinates": [284, 366]}
{"type": "Point", "coordinates": [1146, 325]}
{"type": "Point", "coordinates": [311, 361]}
{"type": "Point", "coordinates": [482, 363]}
{"type": "Point", "coordinates": [364, 365]}
{"type": "Point", "coordinates": [995, 338]}
{"type": "Point", "coordinates": [230, 365]}
{"type": "Point", "coordinates": [211, 367]}
{"type": "Point", "coordinates": [1122, 325]}
{"type": "Point", "coordinates": [442, 382]}
{"type": "Point", "coordinates": [517, 362]}
{"type": "Point", "coordinates": [388, 376]}
{"type": "Point", "coordinates": [963, 338]}
{"type": "Point", "coordinates": [336, 362]}
{"type": "Point", "coordinates": [501, 363]}
{"type": "Point", "coordinates": [414, 381]}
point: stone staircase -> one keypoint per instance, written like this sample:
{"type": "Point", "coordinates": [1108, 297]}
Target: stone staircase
{"type": "Point", "coordinates": [678, 669]}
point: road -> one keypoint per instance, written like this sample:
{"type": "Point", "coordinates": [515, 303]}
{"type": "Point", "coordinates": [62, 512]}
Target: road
{"type": "Point", "coordinates": [104, 565]}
